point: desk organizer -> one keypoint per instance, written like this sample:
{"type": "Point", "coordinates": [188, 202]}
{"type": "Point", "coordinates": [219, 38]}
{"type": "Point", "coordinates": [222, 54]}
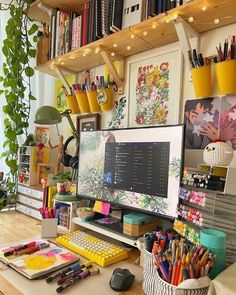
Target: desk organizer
{"type": "Point", "coordinates": [202, 81]}
{"type": "Point", "coordinates": [72, 104]}
{"type": "Point", "coordinates": [226, 76]}
{"type": "Point", "coordinates": [82, 100]}
{"type": "Point", "coordinates": [154, 285]}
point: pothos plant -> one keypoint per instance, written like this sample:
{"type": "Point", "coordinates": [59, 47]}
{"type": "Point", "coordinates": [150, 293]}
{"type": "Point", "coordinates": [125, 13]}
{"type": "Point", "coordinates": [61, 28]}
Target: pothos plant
{"type": "Point", "coordinates": [18, 48]}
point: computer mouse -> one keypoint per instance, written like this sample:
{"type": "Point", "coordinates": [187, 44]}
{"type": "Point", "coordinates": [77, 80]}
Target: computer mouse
{"type": "Point", "coordinates": [121, 279]}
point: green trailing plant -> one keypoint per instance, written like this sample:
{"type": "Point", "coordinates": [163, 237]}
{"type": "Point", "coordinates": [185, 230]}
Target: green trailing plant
{"type": "Point", "coordinates": [18, 48]}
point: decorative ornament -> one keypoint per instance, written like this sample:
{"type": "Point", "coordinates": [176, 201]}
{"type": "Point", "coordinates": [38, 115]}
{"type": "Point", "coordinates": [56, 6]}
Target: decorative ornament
{"type": "Point", "coordinates": [218, 153]}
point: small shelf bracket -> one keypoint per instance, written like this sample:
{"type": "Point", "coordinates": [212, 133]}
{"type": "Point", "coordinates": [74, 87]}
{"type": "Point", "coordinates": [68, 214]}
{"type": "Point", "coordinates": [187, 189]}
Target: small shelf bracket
{"type": "Point", "coordinates": [50, 11]}
{"type": "Point", "coordinates": [118, 77]}
{"type": "Point", "coordinates": [188, 37]}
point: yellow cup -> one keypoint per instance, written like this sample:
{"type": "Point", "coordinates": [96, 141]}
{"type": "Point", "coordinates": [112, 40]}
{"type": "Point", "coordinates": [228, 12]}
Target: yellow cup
{"type": "Point", "coordinates": [106, 101]}
{"type": "Point", "coordinates": [202, 81]}
{"type": "Point", "coordinates": [72, 104]}
{"type": "Point", "coordinates": [82, 100]}
{"type": "Point", "coordinates": [226, 76]}
{"type": "Point", "coordinates": [93, 102]}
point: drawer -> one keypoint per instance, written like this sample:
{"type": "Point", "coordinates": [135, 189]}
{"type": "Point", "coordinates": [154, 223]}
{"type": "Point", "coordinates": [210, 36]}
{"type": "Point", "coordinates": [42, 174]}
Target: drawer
{"type": "Point", "coordinates": [31, 192]}
{"type": "Point", "coordinates": [28, 201]}
{"type": "Point", "coordinates": [28, 211]}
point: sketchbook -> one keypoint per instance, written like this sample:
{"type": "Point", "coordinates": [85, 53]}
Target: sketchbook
{"type": "Point", "coordinates": [39, 263]}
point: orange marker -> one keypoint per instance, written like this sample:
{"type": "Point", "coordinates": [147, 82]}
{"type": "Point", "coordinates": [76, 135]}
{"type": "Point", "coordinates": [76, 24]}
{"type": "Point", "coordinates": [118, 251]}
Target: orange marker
{"type": "Point", "coordinates": [173, 273]}
{"type": "Point", "coordinates": [177, 273]}
{"type": "Point", "coordinates": [180, 274]}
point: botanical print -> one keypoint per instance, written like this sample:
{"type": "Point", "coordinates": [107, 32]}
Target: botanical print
{"type": "Point", "coordinates": [201, 117]}
{"type": "Point", "coordinates": [118, 114]}
{"type": "Point", "coordinates": [92, 160]}
{"type": "Point", "coordinates": [60, 93]}
{"type": "Point", "coordinates": [41, 135]}
{"type": "Point", "coordinates": [152, 94]}
{"type": "Point", "coordinates": [210, 119]}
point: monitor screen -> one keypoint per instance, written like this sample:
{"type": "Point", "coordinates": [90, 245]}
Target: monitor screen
{"type": "Point", "coordinates": [139, 168]}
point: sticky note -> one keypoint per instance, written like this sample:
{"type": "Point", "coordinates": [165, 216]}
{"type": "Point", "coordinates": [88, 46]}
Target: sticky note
{"type": "Point", "coordinates": [97, 206]}
{"type": "Point", "coordinates": [102, 207]}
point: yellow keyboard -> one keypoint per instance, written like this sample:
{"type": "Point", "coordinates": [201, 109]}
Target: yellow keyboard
{"type": "Point", "coordinates": [97, 250]}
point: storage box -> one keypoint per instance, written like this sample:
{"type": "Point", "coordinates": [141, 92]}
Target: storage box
{"type": "Point", "coordinates": [49, 228]}
{"type": "Point", "coordinates": [137, 224]}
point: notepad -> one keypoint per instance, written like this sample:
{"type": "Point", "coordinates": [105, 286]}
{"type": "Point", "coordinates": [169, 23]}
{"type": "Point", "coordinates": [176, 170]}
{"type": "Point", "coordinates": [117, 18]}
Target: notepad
{"type": "Point", "coordinates": [41, 262]}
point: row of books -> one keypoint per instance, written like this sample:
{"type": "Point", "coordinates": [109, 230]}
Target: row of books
{"type": "Point", "coordinates": [98, 19]}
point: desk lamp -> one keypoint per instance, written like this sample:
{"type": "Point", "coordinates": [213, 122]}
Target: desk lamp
{"type": "Point", "coordinates": [48, 115]}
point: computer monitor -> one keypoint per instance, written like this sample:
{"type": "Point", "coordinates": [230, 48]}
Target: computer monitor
{"type": "Point", "coordinates": [138, 168]}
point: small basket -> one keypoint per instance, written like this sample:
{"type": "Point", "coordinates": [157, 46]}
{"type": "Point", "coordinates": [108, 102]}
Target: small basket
{"type": "Point", "coordinates": [154, 285]}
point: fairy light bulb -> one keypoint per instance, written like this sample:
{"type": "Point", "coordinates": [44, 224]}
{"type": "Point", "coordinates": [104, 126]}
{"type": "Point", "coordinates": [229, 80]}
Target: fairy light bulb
{"type": "Point", "coordinates": [191, 19]}
{"type": "Point", "coordinates": [84, 54]}
{"type": "Point", "coordinates": [216, 21]}
{"type": "Point", "coordinates": [154, 26]}
{"type": "Point", "coordinates": [71, 57]}
{"type": "Point", "coordinates": [132, 36]}
{"type": "Point", "coordinates": [145, 33]}
{"type": "Point", "coordinates": [204, 8]}
{"type": "Point", "coordinates": [97, 50]}
{"type": "Point", "coordinates": [115, 45]}
{"type": "Point", "coordinates": [113, 54]}
{"type": "Point", "coordinates": [60, 60]}
{"type": "Point", "coordinates": [128, 47]}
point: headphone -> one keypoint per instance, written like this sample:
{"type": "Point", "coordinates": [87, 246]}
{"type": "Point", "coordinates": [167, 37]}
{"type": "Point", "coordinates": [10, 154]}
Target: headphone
{"type": "Point", "coordinates": [67, 160]}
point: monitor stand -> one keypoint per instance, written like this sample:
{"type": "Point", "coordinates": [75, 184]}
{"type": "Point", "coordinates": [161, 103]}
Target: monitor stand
{"type": "Point", "coordinates": [112, 223]}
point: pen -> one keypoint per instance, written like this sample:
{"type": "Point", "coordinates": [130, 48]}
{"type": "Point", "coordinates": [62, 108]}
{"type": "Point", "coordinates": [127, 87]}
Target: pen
{"type": "Point", "coordinates": [77, 278]}
{"type": "Point", "coordinates": [62, 280]}
{"type": "Point", "coordinates": [195, 61]}
{"type": "Point", "coordinates": [61, 273]}
{"type": "Point", "coordinates": [11, 251]}
{"type": "Point", "coordinates": [31, 250]}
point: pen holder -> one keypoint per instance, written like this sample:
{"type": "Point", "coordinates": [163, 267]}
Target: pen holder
{"type": "Point", "coordinates": [104, 98]}
{"type": "Point", "coordinates": [226, 76]}
{"type": "Point", "coordinates": [49, 228]}
{"type": "Point", "coordinates": [202, 81]}
{"type": "Point", "coordinates": [93, 102]}
{"type": "Point", "coordinates": [82, 100]}
{"type": "Point", "coordinates": [72, 104]}
{"type": "Point", "coordinates": [215, 241]}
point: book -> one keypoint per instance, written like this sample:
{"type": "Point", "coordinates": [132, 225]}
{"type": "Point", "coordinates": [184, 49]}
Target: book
{"type": "Point", "coordinates": [39, 263]}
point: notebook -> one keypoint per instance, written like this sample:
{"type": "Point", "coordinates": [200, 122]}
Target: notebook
{"type": "Point", "coordinates": [38, 263]}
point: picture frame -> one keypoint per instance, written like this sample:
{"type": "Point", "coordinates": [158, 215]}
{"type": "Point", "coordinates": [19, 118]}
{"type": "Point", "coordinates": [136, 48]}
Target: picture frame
{"type": "Point", "coordinates": [154, 86]}
{"type": "Point", "coordinates": [42, 135]}
{"type": "Point", "coordinates": [88, 122]}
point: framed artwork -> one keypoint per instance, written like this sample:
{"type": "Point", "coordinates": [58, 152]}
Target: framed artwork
{"type": "Point", "coordinates": [155, 87]}
{"type": "Point", "coordinates": [210, 119]}
{"type": "Point", "coordinates": [88, 122]}
{"type": "Point", "coordinates": [60, 94]}
{"type": "Point", "coordinates": [42, 135]}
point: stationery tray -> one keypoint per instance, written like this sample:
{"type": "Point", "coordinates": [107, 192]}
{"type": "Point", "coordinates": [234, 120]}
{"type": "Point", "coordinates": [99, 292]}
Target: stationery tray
{"type": "Point", "coordinates": [67, 198]}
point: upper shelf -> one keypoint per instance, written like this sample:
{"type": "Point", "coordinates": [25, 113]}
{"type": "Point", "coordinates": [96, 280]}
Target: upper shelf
{"type": "Point", "coordinates": [154, 32]}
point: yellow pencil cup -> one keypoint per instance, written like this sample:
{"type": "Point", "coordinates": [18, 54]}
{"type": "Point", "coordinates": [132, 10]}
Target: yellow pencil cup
{"type": "Point", "coordinates": [202, 81]}
{"type": "Point", "coordinates": [72, 104]}
{"type": "Point", "coordinates": [105, 99]}
{"type": "Point", "coordinates": [93, 102]}
{"type": "Point", "coordinates": [226, 76]}
{"type": "Point", "coordinates": [82, 100]}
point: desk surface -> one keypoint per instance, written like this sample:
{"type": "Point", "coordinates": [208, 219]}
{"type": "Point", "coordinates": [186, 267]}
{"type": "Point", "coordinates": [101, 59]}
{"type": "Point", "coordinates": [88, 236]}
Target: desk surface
{"type": "Point", "coordinates": [14, 283]}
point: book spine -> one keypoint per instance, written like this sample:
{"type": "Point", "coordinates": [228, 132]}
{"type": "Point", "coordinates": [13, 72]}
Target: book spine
{"type": "Point", "coordinates": [84, 24]}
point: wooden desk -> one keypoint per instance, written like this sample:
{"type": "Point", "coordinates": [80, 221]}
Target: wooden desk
{"type": "Point", "coordinates": [13, 283]}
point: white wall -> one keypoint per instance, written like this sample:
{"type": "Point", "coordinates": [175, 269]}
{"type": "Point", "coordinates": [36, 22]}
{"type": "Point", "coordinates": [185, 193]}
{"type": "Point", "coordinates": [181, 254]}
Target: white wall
{"type": "Point", "coordinates": [208, 43]}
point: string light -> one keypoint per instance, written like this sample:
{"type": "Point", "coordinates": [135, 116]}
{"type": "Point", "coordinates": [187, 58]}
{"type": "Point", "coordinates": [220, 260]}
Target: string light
{"type": "Point", "coordinates": [115, 45]}
{"type": "Point", "coordinates": [84, 54]}
{"type": "Point", "coordinates": [97, 50]}
{"type": "Point", "coordinates": [204, 8]}
{"type": "Point", "coordinates": [60, 59]}
{"type": "Point", "coordinates": [216, 21]}
{"type": "Point", "coordinates": [145, 33]}
{"type": "Point", "coordinates": [128, 47]}
{"type": "Point", "coordinates": [154, 26]}
{"type": "Point", "coordinates": [113, 54]}
{"type": "Point", "coordinates": [71, 57]}
{"type": "Point", "coordinates": [132, 36]}
{"type": "Point", "coordinates": [191, 19]}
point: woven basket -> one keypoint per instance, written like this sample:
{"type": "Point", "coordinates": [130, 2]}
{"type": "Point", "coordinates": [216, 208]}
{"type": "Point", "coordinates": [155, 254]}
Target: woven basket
{"type": "Point", "coordinates": [154, 285]}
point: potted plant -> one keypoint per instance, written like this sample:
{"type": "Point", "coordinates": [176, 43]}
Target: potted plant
{"type": "Point", "coordinates": [62, 179]}
{"type": "Point", "coordinates": [17, 50]}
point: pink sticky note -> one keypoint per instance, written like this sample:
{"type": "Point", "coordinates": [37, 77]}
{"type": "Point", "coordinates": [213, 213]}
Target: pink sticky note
{"type": "Point", "coordinates": [105, 208]}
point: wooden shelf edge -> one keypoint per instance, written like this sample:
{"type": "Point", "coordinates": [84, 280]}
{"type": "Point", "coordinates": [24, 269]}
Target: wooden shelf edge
{"type": "Point", "coordinates": [163, 34]}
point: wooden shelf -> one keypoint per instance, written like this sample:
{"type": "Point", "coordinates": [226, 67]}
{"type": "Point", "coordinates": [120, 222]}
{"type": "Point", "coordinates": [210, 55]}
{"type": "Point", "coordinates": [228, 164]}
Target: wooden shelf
{"type": "Point", "coordinates": [163, 34]}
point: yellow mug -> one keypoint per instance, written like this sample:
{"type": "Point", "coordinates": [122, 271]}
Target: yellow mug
{"type": "Point", "coordinates": [72, 104]}
{"type": "Point", "coordinates": [226, 76]}
{"type": "Point", "coordinates": [82, 100]}
{"type": "Point", "coordinates": [202, 81]}
{"type": "Point", "coordinates": [93, 102]}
